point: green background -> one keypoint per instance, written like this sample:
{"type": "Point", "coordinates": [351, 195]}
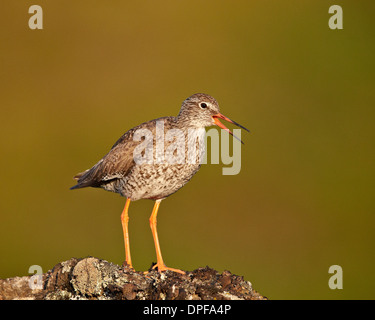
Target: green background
{"type": "Point", "coordinates": [304, 199]}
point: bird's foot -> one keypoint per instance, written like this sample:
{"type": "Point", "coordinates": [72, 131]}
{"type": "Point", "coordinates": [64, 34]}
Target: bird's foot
{"type": "Point", "coordinates": [162, 267]}
{"type": "Point", "coordinates": [126, 265]}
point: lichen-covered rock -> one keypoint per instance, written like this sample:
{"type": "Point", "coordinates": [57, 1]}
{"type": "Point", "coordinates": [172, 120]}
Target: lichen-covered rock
{"type": "Point", "coordinates": [92, 278]}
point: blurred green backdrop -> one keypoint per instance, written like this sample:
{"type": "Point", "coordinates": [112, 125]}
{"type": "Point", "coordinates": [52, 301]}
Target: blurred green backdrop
{"type": "Point", "coordinates": [304, 199]}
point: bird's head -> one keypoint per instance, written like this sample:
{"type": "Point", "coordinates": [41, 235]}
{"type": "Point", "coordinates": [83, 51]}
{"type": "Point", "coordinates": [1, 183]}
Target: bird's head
{"type": "Point", "coordinates": [201, 110]}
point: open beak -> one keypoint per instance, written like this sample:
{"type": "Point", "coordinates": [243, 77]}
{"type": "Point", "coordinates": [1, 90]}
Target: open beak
{"type": "Point", "coordinates": [218, 116]}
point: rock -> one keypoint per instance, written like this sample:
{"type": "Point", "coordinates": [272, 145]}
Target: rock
{"type": "Point", "coordinates": [92, 278]}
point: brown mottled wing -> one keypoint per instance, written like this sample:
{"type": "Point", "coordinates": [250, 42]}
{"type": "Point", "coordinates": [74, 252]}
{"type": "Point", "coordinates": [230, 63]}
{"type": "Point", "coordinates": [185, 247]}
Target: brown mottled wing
{"type": "Point", "coordinates": [115, 164]}
{"type": "Point", "coordinates": [119, 160]}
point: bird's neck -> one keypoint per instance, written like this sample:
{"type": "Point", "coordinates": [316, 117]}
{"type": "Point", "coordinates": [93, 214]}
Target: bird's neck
{"type": "Point", "coordinates": [186, 122]}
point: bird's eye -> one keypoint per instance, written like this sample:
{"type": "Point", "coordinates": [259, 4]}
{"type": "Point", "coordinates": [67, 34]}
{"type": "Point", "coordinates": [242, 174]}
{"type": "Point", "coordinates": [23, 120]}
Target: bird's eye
{"type": "Point", "coordinates": [203, 105]}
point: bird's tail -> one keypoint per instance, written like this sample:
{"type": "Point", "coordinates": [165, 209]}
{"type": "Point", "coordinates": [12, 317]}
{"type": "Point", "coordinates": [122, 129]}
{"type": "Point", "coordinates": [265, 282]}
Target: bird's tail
{"type": "Point", "coordinates": [80, 184]}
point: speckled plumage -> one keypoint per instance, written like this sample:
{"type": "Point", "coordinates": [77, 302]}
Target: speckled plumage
{"type": "Point", "coordinates": [118, 172]}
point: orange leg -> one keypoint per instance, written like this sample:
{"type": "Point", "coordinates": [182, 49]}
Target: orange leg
{"type": "Point", "coordinates": [124, 222]}
{"type": "Point", "coordinates": [160, 263]}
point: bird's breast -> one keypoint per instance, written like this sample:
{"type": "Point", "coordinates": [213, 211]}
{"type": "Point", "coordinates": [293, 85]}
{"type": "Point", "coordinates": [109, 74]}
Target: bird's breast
{"type": "Point", "coordinates": [157, 181]}
{"type": "Point", "coordinates": [176, 157]}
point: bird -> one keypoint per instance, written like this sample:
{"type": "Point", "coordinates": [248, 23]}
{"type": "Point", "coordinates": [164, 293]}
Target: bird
{"type": "Point", "coordinates": [148, 162]}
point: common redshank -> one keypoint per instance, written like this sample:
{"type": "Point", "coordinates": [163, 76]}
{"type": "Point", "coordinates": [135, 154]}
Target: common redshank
{"type": "Point", "coordinates": [127, 170]}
